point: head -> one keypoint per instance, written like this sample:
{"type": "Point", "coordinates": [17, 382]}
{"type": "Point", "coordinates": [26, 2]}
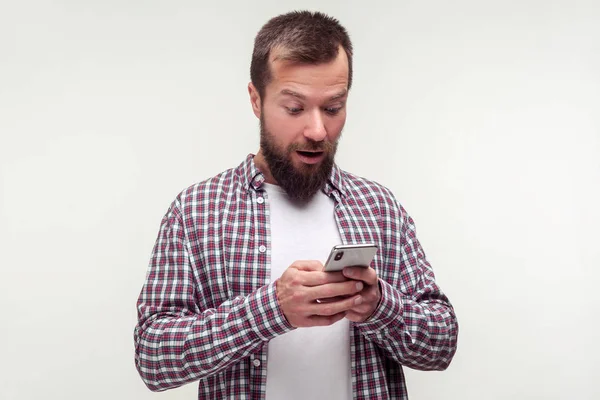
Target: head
{"type": "Point", "coordinates": [301, 73]}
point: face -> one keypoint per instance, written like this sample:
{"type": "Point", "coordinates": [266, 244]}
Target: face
{"type": "Point", "coordinates": [302, 116]}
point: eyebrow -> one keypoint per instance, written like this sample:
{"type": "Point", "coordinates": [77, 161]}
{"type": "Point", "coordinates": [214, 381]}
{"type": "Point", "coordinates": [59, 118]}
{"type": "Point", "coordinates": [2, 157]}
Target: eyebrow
{"type": "Point", "coordinates": [303, 97]}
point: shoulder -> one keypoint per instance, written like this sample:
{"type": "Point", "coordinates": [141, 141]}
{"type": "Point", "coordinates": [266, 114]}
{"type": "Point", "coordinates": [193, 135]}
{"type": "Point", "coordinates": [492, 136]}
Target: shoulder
{"type": "Point", "coordinates": [211, 187]}
{"type": "Point", "coordinates": [366, 193]}
{"type": "Point", "coordinates": [206, 194]}
{"type": "Point", "coordinates": [368, 190]}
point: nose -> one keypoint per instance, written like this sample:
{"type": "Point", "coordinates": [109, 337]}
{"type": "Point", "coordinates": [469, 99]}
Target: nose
{"type": "Point", "coordinates": [315, 127]}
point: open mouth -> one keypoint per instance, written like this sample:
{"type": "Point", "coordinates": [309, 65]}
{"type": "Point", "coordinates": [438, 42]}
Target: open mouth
{"type": "Point", "coordinates": [310, 154]}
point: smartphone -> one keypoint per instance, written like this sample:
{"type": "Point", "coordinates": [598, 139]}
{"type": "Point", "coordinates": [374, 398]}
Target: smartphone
{"type": "Point", "coordinates": [350, 255]}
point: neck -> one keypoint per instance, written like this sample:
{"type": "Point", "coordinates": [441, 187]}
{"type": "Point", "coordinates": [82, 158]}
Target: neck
{"type": "Point", "coordinates": [261, 164]}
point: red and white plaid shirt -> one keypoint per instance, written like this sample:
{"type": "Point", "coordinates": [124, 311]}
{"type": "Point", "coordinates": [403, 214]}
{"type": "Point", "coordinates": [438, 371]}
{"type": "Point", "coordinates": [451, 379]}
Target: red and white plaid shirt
{"type": "Point", "coordinates": [208, 307]}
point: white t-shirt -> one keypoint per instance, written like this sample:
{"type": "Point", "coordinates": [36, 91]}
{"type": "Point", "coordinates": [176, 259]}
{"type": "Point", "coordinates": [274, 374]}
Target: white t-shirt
{"type": "Point", "coordinates": [307, 363]}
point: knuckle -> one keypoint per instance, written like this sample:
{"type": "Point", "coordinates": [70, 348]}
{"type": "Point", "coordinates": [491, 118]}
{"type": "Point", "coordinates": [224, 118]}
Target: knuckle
{"type": "Point", "coordinates": [361, 309]}
{"type": "Point", "coordinates": [374, 296]}
{"type": "Point", "coordinates": [328, 310]}
{"type": "Point", "coordinates": [298, 296]}
{"type": "Point", "coordinates": [328, 292]}
{"type": "Point", "coordinates": [295, 280]}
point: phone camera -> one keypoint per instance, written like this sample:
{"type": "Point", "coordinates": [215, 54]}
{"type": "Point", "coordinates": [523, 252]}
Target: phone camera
{"type": "Point", "coordinates": [339, 256]}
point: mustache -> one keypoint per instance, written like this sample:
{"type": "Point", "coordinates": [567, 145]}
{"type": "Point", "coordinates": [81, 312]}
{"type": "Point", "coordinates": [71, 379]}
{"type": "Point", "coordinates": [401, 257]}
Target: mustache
{"type": "Point", "coordinates": [326, 146]}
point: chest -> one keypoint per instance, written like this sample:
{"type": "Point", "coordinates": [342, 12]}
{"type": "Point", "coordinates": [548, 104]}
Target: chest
{"type": "Point", "coordinates": [234, 245]}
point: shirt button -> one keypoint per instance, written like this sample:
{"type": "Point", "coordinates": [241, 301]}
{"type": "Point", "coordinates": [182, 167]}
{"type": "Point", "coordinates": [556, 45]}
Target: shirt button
{"type": "Point", "coordinates": [260, 200]}
{"type": "Point", "coordinates": [262, 249]}
{"type": "Point", "coordinates": [256, 363]}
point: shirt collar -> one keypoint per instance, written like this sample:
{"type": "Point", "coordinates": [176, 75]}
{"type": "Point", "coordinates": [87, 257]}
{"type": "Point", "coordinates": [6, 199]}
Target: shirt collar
{"type": "Point", "coordinates": [253, 178]}
{"type": "Point", "coordinates": [249, 174]}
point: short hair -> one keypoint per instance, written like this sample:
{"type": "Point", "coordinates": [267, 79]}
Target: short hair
{"type": "Point", "coordinates": [301, 36]}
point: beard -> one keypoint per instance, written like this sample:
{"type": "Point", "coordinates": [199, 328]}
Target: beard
{"type": "Point", "coordinates": [299, 183]}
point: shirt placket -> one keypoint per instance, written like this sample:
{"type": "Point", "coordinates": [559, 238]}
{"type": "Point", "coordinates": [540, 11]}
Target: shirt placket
{"type": "Point", "coordinates": [343, 227]}
{"type": "Point", "coordinates": [350, 233]}
{"type": "Point", "coordinates": [262, 268]}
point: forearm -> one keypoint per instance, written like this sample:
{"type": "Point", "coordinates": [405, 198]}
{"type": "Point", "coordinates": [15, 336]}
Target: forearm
{"type": "Point", "coordinates": [174, 350]}
{"type": "Point", "coordinates": [418, 332]}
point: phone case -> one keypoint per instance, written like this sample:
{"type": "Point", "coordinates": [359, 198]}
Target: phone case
{"type": "Point", "coordinates": [350, 255]}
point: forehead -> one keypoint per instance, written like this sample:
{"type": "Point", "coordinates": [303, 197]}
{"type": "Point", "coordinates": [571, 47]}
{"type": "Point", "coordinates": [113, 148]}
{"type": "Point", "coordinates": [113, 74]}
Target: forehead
{"type": "Point", "coordinates": [310, 80]}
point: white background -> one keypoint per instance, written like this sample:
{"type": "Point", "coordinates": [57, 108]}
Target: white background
{"type": "Point", "coordinates": [483, 117]}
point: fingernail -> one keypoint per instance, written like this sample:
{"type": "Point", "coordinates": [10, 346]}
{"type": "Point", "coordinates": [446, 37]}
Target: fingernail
{"type": "Point", "coordinates": [358, 301]}
{"type": "Point", "coordinates": [348, 272]}
{"type": "Point", "coordinates": [359, 286]}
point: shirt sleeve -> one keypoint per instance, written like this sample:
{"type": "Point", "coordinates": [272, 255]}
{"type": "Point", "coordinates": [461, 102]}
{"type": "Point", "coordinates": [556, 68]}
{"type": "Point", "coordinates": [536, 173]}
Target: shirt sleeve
{"type": "Point", "coordinates": [414, 322]}
{"type": "Point", "coordinates": [176, 342]}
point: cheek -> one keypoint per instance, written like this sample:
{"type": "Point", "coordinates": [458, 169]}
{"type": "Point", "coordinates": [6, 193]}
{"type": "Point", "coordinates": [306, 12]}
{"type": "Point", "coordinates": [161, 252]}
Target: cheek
{"type": "Point", "coordinates": [283, 127]}
{"type": "Point", "coordinates": [334, 127]}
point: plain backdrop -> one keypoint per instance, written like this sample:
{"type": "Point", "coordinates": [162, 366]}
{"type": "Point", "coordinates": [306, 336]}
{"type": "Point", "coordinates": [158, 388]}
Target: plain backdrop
{"type": "Point", "coordinates": [483, 117]}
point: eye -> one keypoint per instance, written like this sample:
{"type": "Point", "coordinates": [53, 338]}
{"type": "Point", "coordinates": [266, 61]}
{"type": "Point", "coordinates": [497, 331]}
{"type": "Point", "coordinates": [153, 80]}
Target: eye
{"type": "Point", "coordinates": [333, 110]}
{"type": "Point", "coordinates": [294, 110]}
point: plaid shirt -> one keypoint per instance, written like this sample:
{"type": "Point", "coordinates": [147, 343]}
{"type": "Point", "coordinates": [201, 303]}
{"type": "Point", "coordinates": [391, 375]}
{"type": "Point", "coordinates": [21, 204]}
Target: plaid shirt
{"type": "Point", "coordinates": [208, 307]}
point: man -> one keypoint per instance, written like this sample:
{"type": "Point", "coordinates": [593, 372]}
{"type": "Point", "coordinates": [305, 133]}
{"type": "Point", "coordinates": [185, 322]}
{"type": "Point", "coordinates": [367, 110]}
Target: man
{"type": "Point", "coordinates": [231, 293]}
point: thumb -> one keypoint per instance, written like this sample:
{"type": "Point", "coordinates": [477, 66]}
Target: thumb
{"type": "Point", "coordinates": [307, 265]}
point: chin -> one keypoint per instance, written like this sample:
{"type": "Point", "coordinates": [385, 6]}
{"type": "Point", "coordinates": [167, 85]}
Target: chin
{"type": "Point", "coordinates": [306, 168]}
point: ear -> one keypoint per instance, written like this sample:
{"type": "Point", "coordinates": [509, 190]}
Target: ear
{"type": "Point", "coordinates": [254, 99]}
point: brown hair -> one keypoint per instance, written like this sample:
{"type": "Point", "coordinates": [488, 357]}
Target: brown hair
{"type": "Point", "coordinates": [300, 36]}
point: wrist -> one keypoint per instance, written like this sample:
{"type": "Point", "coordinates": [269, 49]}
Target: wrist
{"type": "Point", "coordinates": [378, 301]}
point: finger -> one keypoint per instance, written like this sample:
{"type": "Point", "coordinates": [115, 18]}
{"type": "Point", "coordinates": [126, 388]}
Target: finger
{"type": "Point", "coordinates": [335, 307]}
{"type": "Point", "coordinates": [369, 302]}
{"type": "Point", "coordinates": [328, 290]}
{"type": "Point", "coordinates": [330, 299]}
{"type": "Point", "coordinates": [361, 309]}
{"type": "Point", "coordinates": [367, 275]}
{"type": "Point", "coordinates": [317, 278]}
{"type": "Point", "coordinates": [320, 320]}
{"type": "Point", "coordinates": [355, 317]}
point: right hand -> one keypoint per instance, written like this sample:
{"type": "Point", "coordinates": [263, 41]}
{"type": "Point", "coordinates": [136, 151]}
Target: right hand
{"type": "Point", "coordinates": [303, 283]}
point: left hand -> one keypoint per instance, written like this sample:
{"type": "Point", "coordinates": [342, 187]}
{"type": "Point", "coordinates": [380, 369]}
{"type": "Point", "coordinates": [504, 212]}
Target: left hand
{"type": "Point", "coordinates": [370, 294]}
